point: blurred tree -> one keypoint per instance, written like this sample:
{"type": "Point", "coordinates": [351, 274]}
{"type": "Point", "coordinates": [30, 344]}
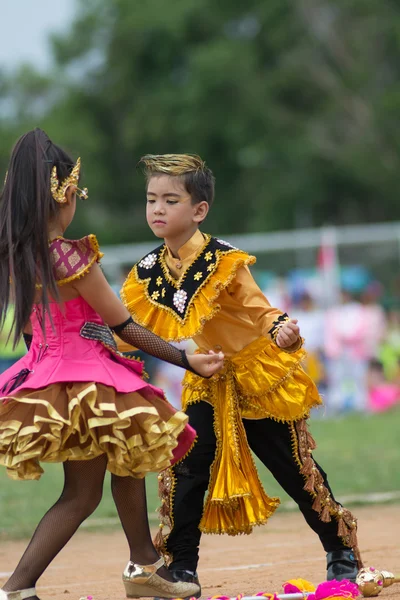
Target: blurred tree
{"type": "Point", "coordinates": [293, 103]}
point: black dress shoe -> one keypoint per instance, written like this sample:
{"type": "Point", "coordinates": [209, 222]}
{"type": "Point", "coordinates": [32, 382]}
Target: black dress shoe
{"type": "Point", "coordinates": [341, 564]}
{"type": "Point", "coordinates": [188, 577]}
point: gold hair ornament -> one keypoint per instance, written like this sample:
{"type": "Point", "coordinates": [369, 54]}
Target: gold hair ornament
{"type": "Point", "coordinates": [58, 189]}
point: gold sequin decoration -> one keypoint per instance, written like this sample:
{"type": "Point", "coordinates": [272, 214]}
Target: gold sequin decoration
{"type": "Point", "coordinates": [74, 259]}
{"type": "Point", "coordinates": [61, 271]}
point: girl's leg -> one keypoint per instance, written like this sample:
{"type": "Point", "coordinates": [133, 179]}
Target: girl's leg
{"type": "Point", "coordinates": [129, 496]}
{"type": "Point", "coordinates": [83, 488]}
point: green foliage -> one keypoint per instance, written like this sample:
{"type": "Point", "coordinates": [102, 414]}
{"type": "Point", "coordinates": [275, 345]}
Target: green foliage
{"type": "Point", "coordinates": [294, 105]}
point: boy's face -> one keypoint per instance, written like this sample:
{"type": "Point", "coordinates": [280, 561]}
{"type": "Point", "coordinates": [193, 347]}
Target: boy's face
{"type": "Point", "coordinates": [170, 212]}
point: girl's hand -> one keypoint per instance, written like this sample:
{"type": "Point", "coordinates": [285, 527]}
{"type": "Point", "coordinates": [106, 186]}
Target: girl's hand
{"type": "Point", "coordinates": [288, 334]}
{"type": "Point", "coordinates": [206, 364]}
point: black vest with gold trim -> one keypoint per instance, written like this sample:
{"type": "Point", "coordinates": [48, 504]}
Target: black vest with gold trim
{"type": "Point", "coordinates": [177, 309]}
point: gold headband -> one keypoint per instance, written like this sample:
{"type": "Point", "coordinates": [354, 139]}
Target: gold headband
{"type": "Point", "coordinates": [173, 164]}
{"type": "Point", "coordinates": [58, 189]}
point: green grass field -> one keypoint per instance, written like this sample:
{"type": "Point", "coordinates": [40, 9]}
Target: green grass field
{"type": "Point", "coordinates": [361, 455]}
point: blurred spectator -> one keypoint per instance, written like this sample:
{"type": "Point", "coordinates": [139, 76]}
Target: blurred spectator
{"type": "Point", "coordinates": [311, 322]}
{"type": "Point", "coordinates": [353, 349]}
{"type": "Point", "coordinates": [345, 347]}
{"type": "Point", "coordinates": [375, 319]}
{"type": "Point", "coordinates": [389, 351]}
{"type": "Point", "coordinates": [8, 354]}
{"type": "Point", "coordinates": [275, 290]}
{"type": "Point", "coordinates": [382, 394]}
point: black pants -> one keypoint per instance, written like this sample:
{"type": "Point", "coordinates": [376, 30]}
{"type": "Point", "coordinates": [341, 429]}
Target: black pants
{"type": "Point", "coordinates": [271, 442]}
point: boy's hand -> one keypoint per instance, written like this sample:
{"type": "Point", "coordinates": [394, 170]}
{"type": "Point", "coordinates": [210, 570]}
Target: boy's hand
{"type": "Point", "coordinates": [206, 364]}
{"type": "Point", "coordinates": [288, 334]}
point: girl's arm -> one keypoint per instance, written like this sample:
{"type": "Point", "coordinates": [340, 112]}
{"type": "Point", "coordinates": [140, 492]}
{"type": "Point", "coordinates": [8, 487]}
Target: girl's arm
{"type": "Point", "coordinates": [94, 288]}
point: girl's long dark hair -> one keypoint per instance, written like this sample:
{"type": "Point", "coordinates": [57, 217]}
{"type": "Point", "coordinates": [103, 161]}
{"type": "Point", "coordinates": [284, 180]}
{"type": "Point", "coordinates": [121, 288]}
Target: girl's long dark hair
{"type": "Point", "coordinates": [26, 208]}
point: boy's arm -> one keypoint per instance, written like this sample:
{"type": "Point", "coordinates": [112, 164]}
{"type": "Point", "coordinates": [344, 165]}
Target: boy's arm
{"type": "Point", "coordinates": [266, 318]}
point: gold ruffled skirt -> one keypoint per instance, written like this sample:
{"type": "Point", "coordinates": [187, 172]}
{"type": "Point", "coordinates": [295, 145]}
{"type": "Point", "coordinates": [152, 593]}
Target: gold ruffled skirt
{"type": "Point", "coordinates": [137, 431]}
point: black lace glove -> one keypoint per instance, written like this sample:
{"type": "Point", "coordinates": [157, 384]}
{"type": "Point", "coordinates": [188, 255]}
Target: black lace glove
{"type": "Point", "coordinates": [149, 342]}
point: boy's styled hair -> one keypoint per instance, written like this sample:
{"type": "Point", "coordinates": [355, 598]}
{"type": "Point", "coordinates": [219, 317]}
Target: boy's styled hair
{"type": "Point", "coordinates": [190, 168]}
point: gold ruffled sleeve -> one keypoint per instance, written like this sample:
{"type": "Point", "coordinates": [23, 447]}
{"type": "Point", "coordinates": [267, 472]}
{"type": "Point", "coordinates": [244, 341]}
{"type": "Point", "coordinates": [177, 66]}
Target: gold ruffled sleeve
{"type": "Point", "coordinates": [267, 319]}
{"type": "Point", "coordinates": [178, 309]}
{"type": "Point", "coordinates": [72, 259]}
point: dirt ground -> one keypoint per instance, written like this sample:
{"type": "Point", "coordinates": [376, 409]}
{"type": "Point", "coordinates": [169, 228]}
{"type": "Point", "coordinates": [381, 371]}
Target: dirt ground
{"type": "Point", "coordinates": [286, 548]}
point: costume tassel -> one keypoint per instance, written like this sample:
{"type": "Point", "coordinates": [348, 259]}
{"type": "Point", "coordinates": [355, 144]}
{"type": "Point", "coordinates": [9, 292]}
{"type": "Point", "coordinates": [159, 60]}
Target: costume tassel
{"type": "Point", "coordinates": [164, 510]}
{"type": "Point", "coordinates": [309, 487]}
{"type": "Point", "coordinates": [301, 426]}
{"type": "Point", "coordinates": [353, 537]}
{"type": "Point", "coordinates": [310, 441]}
{"type": "Point", "coordinates": [307, 467]}
{"type": "Point", "coordinates": [159, 542]}
{"type": "Point", "coordinates": [326, 514]}
{"type": "Point", "coordinates": [317, 506]}
{"type": "Point", "coordinates": [342, 529]}
{"type": "Point", "coordinates": [15, 381]}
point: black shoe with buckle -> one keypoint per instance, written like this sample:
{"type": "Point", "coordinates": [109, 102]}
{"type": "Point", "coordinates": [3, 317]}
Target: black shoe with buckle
{"type": "Point", "coordinates": [187, 577]}
{"type": "Point", "coordinates": [341, 564]}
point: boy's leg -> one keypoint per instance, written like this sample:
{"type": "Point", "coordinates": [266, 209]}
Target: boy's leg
{"type": "Point", "coordinates": [277, 446]}
{"type": "Point", "coordinates": [191, 477]}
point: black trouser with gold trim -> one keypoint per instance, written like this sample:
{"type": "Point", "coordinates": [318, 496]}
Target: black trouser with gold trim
{"type": "Point", "coordinates": [272, 443]}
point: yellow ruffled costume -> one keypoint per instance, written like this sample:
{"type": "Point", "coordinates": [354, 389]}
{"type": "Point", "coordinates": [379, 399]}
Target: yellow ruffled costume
{"type": "Point", "coordinates": [259, 380]}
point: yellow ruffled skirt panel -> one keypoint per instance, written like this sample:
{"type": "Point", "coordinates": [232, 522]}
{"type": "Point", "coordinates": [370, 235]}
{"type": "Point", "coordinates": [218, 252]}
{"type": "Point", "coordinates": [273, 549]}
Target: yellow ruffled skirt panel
{"type": "Point", "coordinates": [259, 382]}
{"type": "Point", "coordinates": [137, 431]}
{"type": "Point", "coordinates": [236, 500]}
{"type": "Point", "coordinates": [269, 383]}
{"type": "Point", "coordinates": [272, 383]}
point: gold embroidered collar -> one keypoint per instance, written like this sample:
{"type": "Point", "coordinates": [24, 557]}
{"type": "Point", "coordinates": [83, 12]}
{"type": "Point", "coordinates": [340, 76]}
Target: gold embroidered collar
{"type": "Point", "coordinates": [188, 302]}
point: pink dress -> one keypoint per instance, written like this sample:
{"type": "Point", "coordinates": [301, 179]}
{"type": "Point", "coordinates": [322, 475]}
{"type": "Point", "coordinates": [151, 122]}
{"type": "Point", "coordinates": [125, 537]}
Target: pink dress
{"type": "Point", "coordinates": [74, 398]}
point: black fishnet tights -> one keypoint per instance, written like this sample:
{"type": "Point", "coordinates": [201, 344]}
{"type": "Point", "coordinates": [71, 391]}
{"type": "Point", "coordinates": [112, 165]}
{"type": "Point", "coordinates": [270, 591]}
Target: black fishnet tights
{"type": "Point", "coordinates": [142, 338]}
{"type": "Point", "coordinates": [83, 489]}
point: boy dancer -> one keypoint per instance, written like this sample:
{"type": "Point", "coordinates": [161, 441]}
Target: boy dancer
{"type": "Point", "coordinates": [196, 286]}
